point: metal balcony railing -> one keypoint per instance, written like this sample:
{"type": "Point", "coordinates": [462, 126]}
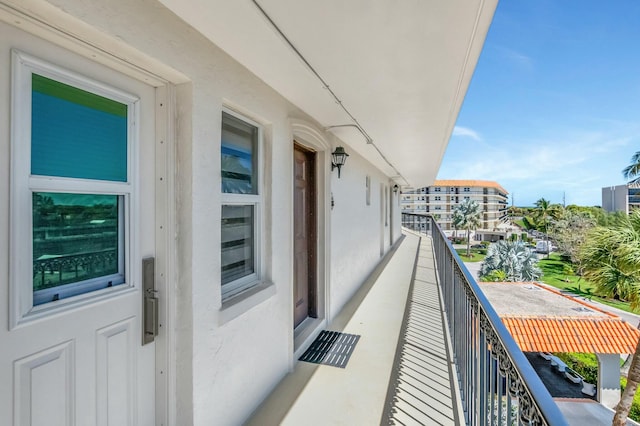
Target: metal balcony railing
{"type": "Point", "coordinates": [498, 385]}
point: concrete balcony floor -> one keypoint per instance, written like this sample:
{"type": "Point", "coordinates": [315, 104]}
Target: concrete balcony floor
{"type": "Point", "coordinates": [400, 370]}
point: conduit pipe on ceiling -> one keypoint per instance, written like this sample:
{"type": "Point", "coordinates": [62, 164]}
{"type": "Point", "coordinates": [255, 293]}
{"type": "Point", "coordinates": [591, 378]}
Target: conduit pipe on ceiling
{"type": "Point", "coordinates": [331, 92]}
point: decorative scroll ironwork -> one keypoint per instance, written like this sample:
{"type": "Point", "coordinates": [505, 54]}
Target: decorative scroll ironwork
{"type": "Point", "coordinates": [59, 270]}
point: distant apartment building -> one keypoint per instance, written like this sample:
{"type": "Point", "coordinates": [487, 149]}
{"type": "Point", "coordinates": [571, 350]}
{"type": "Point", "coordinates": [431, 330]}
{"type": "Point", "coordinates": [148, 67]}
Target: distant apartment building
{"type": "Point", "coordinates": [443, 196]}
{"type": "Point", "coordinates": [621, 197]}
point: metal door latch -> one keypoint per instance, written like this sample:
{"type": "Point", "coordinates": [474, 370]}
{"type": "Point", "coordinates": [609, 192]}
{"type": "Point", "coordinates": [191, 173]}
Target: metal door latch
{"type": "Point", "coordinates": [149, 301]}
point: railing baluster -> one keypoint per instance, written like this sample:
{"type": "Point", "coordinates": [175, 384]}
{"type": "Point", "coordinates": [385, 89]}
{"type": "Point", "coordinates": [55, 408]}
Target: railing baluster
{"type": "Point", "coordinates": [509, 402]}
{"type": "Point", "coordinates": [482, 396]}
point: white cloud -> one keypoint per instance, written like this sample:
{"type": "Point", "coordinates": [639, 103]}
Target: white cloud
{"type": "Point", "coordinates": [576, 161]}
{"type": "Point", "coordinates": [517, 58]}
{"type": "Point", "coordinates": [466, 132]}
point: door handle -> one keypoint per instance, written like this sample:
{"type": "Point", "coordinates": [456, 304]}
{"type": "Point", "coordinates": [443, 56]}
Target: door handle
{"type": "Point", "coordinates": [149, 301]}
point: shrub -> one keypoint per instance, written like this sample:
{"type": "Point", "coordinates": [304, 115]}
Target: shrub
{"type": "Point", "coordinates": [497, 275]}
{"type": "Point", "coordinates": [517, 261]}
{"type": "Point", "coordinates": [585, 365]}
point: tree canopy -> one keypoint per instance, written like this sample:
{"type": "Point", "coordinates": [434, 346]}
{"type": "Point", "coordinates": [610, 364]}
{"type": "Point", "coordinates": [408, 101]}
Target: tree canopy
{"type": "Point", "coordinates": [610, 258]}
{"type": "Point", "coordinates": [632, 171]}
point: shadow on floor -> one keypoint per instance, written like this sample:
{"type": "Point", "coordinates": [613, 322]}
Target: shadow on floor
{"type": "Point", "coordinates": [421, 393]}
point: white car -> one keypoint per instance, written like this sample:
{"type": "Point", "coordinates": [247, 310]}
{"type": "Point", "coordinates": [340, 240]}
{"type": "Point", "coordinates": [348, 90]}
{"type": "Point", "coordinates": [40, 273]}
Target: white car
{"type": "Point", "coordinates": [544, 247]}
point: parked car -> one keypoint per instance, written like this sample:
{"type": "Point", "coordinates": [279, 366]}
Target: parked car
{"type": "Point", "coordinates": [544, 247]}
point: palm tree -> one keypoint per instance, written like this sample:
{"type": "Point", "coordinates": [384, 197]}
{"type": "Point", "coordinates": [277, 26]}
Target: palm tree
{"type": "Point", "coordinates": [545, 210]}
{"type": "Point", "coordinates": [610, 258]}
{"type": "Point", "coordinates": [471, 215]}
{"type": "Point", "coordinates": [456, 220]}
{"type": "Point", "coordinates": [632, 171]}
{"type": "Point", "coordinates": [516, 261]}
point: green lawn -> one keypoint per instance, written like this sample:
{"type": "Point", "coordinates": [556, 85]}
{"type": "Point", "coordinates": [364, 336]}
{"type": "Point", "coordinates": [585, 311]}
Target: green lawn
{"type": "Point", "coordinates": [476, 255]}
{"type": "Point", "coordinates": [552, 270]}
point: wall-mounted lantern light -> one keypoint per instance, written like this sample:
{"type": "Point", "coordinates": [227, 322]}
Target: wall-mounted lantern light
{"type": "Point", "coordinates": [395, 189]}
{"type": "Point", "coordinates": [338, 158]}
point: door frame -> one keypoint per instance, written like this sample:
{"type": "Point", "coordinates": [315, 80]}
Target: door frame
{"type": "Point", "coordinates": [310, 137]}
{"type": "Point", "coordinates": [98, 47]}
{"type": "Point", "coordinates": [165, 254]}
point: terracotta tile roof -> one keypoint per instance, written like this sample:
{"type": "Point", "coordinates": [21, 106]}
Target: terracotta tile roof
{"type": "Point", "coordinates": [470, 183]}
{"type": "Point", "coordinates": [572, 334]}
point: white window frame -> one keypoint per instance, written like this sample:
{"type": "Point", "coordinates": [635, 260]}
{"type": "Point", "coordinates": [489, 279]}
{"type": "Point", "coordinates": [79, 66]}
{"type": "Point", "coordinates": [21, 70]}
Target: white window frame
{"type": "Point", "coordinates": [23, 184]}
{"type": "Point", "coordinates": [234, 288]}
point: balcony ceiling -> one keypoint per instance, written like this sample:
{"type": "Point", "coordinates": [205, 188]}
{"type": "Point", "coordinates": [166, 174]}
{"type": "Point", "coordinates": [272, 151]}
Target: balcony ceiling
{"type": "Point", "coordinates": [400, 68]}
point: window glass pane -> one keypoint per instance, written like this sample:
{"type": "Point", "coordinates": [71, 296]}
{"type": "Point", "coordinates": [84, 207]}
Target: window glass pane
{"type": "Point", "coordinates": [237, 242]}
{"type": "Point", "coordinates": [77, 241]}
{"type": "Point", "coordinates": [76, 134]}
{"type": "Point", "coordinates": [238, 156]}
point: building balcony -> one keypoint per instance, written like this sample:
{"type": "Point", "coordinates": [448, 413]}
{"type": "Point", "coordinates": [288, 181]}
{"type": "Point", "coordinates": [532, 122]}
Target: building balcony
{"type": "Point", "coordinates": [431, 351]}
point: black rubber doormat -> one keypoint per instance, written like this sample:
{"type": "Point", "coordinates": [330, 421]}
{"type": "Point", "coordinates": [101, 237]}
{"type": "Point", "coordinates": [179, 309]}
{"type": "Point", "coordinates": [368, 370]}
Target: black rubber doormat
{"type": "Point", "coordinates": [331, 348]}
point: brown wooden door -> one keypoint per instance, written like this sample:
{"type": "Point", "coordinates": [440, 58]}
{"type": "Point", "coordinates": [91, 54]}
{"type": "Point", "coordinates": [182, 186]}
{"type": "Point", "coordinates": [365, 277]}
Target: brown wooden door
{"type": "Point", "coordinates": [304, 244]}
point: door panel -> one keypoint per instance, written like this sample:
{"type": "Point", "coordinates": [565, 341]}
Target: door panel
{"type": "Point", "coordinates": [84, 363]}
{"type": "Point", "coordinates": [304, 235]}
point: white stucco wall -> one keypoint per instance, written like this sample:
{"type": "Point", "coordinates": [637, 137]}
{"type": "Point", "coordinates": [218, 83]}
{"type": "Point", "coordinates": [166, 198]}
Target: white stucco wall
{"type": "Point", "coordinates": [224, 369]}
{"type": "Point", "coordinates": [355, 239]}
{"type": "Point", "coordinates": [608, 379]}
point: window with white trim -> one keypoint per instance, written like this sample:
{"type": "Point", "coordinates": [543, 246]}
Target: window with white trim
{"type": "Point", "coordinates": [241, 204]}
{"type": "Point", "coordinates": [71, 185]}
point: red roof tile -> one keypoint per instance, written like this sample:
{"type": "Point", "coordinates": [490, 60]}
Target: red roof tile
{"type": "Point", "coordinates": [572, 334]}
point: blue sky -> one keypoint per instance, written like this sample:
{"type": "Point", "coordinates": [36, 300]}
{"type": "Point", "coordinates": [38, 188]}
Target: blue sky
{"type": "Point", "coordinates": [554, 104]}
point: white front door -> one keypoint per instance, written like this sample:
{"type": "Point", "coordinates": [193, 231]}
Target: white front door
{"type": "Point", "coordinates": [81, 208]}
